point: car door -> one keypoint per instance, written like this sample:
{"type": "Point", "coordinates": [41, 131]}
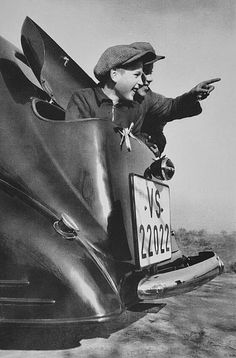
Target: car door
{"type": "Point", "coordinates": [58, 74]}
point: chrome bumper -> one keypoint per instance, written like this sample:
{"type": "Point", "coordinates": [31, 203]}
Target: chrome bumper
{"type": "Point", "coordinates": [182, 280]}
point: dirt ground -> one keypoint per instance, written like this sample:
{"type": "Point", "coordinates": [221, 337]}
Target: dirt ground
{"type": "Point", "coordinates": [199, 324]}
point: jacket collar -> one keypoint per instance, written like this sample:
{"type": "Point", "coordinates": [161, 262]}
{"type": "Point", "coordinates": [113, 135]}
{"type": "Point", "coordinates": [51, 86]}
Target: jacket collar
{"type": "Point", "coordinates": [102, 97]}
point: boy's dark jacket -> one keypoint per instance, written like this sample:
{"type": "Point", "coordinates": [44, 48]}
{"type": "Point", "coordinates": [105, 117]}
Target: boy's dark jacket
{"type": "Point", "coordinates": [148, 115]}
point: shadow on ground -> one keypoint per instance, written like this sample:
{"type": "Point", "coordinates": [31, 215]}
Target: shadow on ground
{"type": "Point", "coordinates": [68, 336]}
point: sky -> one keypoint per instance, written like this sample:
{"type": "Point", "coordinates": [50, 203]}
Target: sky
{"type": "Point", "coordinates": [198, 38]}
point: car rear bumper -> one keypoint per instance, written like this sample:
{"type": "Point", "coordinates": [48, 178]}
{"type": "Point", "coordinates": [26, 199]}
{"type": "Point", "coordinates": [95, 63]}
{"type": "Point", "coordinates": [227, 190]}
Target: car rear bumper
{"type": "Point", "coordinates": [200, 269]}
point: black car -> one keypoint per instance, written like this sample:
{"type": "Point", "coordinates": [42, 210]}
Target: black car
{"type": "Point", "coordinates": [85, 223]}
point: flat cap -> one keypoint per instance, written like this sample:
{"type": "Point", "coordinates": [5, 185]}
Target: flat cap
{"type": "Point", "coordinates": [120, 55]}
{"type": "Point", "coordinates": [146, 46]}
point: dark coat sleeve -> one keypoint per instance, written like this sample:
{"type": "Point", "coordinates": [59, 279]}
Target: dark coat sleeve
{"type": "Point", "coordinates": [161, 110]}
{"type": "Point", "coordinates": [165, 109]}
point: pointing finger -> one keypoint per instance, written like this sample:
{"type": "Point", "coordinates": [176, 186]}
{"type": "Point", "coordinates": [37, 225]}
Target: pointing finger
{"type": "Point", "coordinates": [212, 80]}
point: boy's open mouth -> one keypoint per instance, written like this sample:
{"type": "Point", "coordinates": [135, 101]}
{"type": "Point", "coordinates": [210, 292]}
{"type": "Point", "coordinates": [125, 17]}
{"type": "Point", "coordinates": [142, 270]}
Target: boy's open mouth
{"type": "Point", "coordinates": [135, 89]}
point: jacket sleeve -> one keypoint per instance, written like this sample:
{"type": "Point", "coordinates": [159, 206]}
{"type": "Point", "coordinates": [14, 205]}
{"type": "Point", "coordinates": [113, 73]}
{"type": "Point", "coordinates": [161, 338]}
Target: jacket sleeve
{"type": "Point", "coordinates": [162, 110]}
{"type": "Point", "coordinates": [165, 109]}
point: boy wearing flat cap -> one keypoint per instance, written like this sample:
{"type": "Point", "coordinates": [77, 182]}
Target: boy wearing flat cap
{"type": "Point", "coordinates": [119, 70]}
{"type": "Point", "coordinates": [152, 128]}
{"type": "Point", "coordinates": [162, 109]}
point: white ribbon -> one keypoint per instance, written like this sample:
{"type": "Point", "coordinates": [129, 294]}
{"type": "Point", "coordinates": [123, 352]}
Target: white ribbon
{"type": "Point", "coordinates": [125, 136]}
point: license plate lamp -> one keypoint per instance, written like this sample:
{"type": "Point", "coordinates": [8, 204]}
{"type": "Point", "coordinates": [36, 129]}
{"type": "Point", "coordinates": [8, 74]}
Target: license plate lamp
{"type": "Point", "coordinates": [162, 169]}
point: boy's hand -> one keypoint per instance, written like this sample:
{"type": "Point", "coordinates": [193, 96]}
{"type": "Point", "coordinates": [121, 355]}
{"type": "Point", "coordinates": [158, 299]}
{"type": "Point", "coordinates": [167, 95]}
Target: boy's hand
{"type": "Point", "coordinates": [153, 147]}
{"type": "Point", "coordinates": [203, 89]}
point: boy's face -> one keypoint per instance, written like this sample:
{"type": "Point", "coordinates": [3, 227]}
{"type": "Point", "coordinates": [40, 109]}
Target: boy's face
{"type": "Point", "coordinates": [128, 80]}
{"type": "Point", "coordinates": [147, 79]}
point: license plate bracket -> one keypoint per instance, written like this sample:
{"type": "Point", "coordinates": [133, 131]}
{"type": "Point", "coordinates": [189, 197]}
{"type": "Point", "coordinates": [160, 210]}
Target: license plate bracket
{"type": "Point", "coordinates": [150, 202]}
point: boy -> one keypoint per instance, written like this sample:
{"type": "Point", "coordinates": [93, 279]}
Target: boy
{"type": "Point", "coordinates": [120, 72]}
{"type": "Point", "coordinates": [155, 120]}
{"type": "Point", "coordinates": [153, 137]}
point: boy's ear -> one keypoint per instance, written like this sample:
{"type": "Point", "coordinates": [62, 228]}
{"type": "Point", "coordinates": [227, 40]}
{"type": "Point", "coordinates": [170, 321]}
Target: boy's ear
{"type": "Point", "coordinates": [114, 74]}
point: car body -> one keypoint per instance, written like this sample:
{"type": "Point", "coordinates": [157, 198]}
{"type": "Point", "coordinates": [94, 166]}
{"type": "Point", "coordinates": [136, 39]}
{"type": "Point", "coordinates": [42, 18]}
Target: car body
{"type": "Point", "coordinates": [84, 234]}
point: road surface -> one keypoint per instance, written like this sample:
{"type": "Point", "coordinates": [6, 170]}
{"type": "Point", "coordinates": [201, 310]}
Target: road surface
{"type": "Point", "coordinates": [199, 324]}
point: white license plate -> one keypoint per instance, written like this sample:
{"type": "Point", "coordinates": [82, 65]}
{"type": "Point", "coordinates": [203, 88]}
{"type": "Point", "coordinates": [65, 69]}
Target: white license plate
{"type": "Point", "coordinates": [151, 220]}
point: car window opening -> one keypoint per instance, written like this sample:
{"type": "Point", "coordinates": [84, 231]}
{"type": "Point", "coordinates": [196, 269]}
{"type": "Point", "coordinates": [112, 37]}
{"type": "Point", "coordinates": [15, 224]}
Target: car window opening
{"type": "Point", "coordinates": [47, 111]}
{"type": "Point", "coordinates": [20, 56]}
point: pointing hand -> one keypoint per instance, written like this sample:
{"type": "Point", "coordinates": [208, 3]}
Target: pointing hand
{"type": "Point", "coordinates": [203, 89]}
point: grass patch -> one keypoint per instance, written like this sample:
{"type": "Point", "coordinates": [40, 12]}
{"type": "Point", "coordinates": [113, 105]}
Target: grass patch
{"type": "Point", "coordinates": [223, 244]}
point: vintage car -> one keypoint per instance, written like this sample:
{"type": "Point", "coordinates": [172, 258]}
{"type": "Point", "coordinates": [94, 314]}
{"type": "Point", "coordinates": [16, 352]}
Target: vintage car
{"type": "Point", "coordinates": [85, 221]}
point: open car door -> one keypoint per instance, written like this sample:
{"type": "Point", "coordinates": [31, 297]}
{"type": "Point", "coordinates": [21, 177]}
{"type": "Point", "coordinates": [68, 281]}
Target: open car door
{"type": "Point", "coordinates": [58, 74]}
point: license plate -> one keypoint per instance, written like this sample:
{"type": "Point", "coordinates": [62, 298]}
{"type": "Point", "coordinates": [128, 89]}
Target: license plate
{"type": "Point", "coordinates": [151, 221]}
